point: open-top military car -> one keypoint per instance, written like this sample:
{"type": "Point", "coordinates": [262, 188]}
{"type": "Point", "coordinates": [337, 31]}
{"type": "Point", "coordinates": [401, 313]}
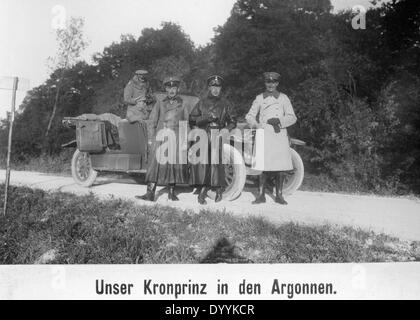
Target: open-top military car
{"type": "Point", "coordinates": [93, 154]}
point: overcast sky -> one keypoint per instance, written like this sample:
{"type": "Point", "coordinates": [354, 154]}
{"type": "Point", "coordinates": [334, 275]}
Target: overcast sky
{"type": "Point", "coordinates": [27, 37]}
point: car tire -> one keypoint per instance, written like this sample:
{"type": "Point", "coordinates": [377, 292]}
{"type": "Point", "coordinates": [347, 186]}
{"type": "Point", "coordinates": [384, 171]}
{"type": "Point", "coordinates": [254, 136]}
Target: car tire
{"type": "Point", "coordinates": [294, 181]}
{"type": "Point", "coordinates": [235, 174]}
{"type": "Point", "coordinates": [81, 169]}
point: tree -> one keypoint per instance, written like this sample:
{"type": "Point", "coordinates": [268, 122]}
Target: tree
{"type": "Point", "coordinates": [71, 43]}
{"type": "Point", "coordinates": [263, 35]}
{"type": "Point", "coordinates": [171, 65]}
{"type": "Point", "coordinates": [355, 92]}
{"type": "Point", "coordinates": [164, 50]}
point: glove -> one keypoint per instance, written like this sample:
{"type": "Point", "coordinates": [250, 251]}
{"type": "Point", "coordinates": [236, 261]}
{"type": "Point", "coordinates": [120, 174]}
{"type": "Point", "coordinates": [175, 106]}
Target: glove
{"type": "Point", "coordinates": [206, 121]}
{"type": "Point", "coordinates": [150, 99]}
{"type": "Point", "coordinates": [275, 122]}
{"type": "Point", "coordinates": [213, 119]}
{"type": "Point", "coordinates": [231, 126]}
{"type": "Point", "coordinates": [141, 99]}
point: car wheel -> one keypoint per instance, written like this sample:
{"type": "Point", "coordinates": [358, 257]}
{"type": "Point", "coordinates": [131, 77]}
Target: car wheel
{"type": "Point", "coordinates": [294, 180]}
{"type": "Point", "coordinates": [81, 169]}
{"type": "Point", "coordinates": [235, 173]}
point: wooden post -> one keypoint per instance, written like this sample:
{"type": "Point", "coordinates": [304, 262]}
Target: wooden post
{"type": "Point", "coordinates": [9, 147]}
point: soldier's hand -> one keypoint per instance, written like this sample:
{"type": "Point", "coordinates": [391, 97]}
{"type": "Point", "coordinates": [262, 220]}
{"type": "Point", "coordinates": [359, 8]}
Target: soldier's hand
{"type": "Point", "coordinates": [213, 119]}
{"type": "Point", "coordinates": [257, 125]}
{"type": "Point", "coordinates": [140, 99]}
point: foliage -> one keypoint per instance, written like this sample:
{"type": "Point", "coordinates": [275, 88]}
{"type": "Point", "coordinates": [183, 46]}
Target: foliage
{"type": "Point", "coordinates": [57, 164]}
{"type": "Point", "coordinates": [70, 45]}
{"type": "Point", "coordinates": [355, 92]}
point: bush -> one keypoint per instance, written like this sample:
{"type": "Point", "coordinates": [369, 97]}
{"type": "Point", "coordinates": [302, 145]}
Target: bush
{"type": "Point", "coordinates": [58, 164]}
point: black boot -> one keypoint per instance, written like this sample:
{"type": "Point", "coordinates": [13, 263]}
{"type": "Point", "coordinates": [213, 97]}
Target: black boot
{"type": "Point", "coordinates": [279, 188]}
{"type": "Point", "coordinates": [171, 193]}
{"type": "Point", "coordinates": [219, 194]}
{"type": "Point", "coordinates": [202, 195]}
{"type": "Point", "coordinates": [261, 189]}
{"type": "Point", "coordinates": [150, 194]}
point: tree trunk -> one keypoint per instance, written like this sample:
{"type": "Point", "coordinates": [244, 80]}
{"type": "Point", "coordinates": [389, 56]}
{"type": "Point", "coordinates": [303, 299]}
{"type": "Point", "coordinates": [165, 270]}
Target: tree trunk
{"type": "Point", "coordinates": [57, 94]}
{"type": "Point", "coordinates": [60, 79]}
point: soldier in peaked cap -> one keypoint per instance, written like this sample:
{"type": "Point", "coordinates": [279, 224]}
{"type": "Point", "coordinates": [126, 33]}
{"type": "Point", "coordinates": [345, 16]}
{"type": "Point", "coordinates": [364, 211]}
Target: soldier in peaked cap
{"type": "Point", "coordinates": [172, 81]}
{"type": "Point", "coordinates": [271, 77]}
{"type": "Point", "coordinates": [138, 97]}
{"type": "Point", "coordinates": [142, 74]}
{"type": "Point", "coordinates": [213, 111]}
{"type": "Point", "coordinates": [215, 80]}
{"type": "Point", "coordinates": [272, 150]}
{"type": "Point", "coordinates": [164, 169]}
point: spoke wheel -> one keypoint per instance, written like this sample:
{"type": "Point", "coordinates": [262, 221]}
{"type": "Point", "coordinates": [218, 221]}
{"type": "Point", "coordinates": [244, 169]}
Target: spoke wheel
{"type": "Point", "coordinates": [81, 169]}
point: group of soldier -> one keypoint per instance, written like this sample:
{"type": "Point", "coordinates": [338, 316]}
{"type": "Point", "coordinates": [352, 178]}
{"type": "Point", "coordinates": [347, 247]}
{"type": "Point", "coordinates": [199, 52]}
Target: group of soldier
{"type": "Point", "coordinates": [271, 113]}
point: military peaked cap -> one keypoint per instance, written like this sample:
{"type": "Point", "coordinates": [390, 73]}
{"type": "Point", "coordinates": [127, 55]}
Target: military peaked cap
{"type": "Point", "coordinates": [215, 81]}
{"type": "Point", "coordinates": [271, 76]}
{"type": "Point", "coordinates": [172, 81]}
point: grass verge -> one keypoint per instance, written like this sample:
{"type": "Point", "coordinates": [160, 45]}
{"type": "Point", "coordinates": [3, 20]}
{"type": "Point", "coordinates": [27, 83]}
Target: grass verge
{"type": "Point", "coordinates": [43, 227]}
{"type": "Point", "coordinates": [56, 164]}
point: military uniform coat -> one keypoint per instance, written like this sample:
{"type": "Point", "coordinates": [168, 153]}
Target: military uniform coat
{"type": "Point", "coordinates": [211, 174]}
{"type": "Point", "coordinates": [137, 110]}
{"type": "Point", "coordinates": [271, 149]}
{"type": "Point", "coordinates": [166, 115]}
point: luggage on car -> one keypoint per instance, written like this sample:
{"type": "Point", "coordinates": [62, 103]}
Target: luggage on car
{"type": "Point", "coordinates": [90, 136]}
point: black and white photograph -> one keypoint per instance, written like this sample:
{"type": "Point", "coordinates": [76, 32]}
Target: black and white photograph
{"type": "Point", "coordinates": [221, 141]}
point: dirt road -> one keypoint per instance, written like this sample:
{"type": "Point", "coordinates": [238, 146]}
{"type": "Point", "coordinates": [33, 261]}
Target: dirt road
{"type": "Point", "coordinates": [399, 217]}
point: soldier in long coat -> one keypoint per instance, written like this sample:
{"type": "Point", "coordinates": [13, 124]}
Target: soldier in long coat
{"type": "Point", "coordinates": [140, 102]}
{"type": "Point", "coordinates": [272, 148]}
{"type": "Point", "coordinates": [138, 97]}
{"type": "Point", "coordinates": [165, 167]}
{"type": "Point", "coordinates": [213, 111]}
